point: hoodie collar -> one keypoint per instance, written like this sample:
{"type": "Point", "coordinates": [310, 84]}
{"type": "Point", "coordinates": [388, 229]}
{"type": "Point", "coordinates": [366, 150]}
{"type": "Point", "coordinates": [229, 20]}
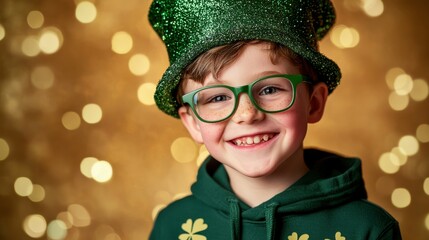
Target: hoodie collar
{"type": "Point", "coordinates": [331, 180]}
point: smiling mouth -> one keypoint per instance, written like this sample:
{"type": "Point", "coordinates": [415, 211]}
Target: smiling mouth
{"type": "Point", "coordinates": [250, 141]}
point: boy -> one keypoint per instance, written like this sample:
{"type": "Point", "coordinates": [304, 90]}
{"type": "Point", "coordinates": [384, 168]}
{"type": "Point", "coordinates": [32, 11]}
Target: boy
{"type": "Point", "coordinates": [246, 78]}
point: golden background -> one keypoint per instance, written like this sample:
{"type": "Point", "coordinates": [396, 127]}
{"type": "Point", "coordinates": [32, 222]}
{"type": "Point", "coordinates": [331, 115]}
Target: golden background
{"type": "Point", "coordinates": [84, 153]}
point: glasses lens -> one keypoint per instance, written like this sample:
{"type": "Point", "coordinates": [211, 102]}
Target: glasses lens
{"type": "Point", "coordinates": [273, 94]}
{"type": "Point", "coordinates": [213, 104]}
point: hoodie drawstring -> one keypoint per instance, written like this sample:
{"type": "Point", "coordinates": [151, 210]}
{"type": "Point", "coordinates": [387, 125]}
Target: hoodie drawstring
{"type": "Point", "coordinates": [235, 218]}
{"type": "Point", "coordinates": [270, 214]}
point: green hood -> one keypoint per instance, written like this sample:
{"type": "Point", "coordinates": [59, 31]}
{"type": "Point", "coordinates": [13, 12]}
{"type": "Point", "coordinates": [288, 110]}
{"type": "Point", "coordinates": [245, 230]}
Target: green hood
{"type": "Point", "coordinates": [328, 202]}
{"type": "Point", "coordinates": [331, 181]}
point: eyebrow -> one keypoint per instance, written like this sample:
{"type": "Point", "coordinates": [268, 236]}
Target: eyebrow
{"type": "Point", "coordinates": [216, 81]}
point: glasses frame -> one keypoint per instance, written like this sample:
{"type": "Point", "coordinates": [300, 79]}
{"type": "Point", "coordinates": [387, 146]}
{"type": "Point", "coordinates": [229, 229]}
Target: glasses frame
{"type": "Point", "coordinates": [295, 79]}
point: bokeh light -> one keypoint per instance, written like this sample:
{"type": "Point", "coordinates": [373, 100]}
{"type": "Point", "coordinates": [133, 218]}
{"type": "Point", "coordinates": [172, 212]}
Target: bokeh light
{"type": "Point", "coordinates": [106, 232]}
{"type": "Point", "coordinates": [42, 77]}
{"type": "Point", "coordinates": [50, 40]}
{"type": "Point", "coordinates": [86, 166]}
{"type": "Point", "coordinates": [157, 209]}
{"type": "Point", "coordinates": [112, 236]}
{"type": "Point", "coordinates": [401, 198]}
{"type": "Point", "coordinates": [122, 42]}
{"type": "Point", "coordinates": [102, 171]}
{"type": "Point", "coordinates": [2, 32]}
{"type": "Point", "coordinates": [86, 12]}
{"type": "Point", "coordinates": [139, 64]}
{"type": "Point", "coordinates": [345, 37]}
{"type": "Point", "coordinates": [34, 225]}
{"type": "Point", "coordinates": [427, 221]}
{"type": "Point", "coordinates": [35, 19]}
{"type": "Point", "coordinates": [398, 102]}
{"type": "Point", "coordinates": [404, 88]}
{"type": "Point", "coordinates": [92, 113]}
{"type": "Point", "coordinates": [145, 93]}
{"type": "Point", "coordinates": [66, 218]}
{"type": "Point", "coordinates": [422, 133]}
{"type": "Point", "coordinates": [389, 163]}
{"type": "Point", "coordinates": [23, 186]}
{"type": "Point", "coordinates": [181, 195]}
{"type": "Point", "coordinates": [399, 155]}
{"type": "Point", "coordinates": [57, 230]}
{"type": "Point", "coordinates": [71, 120]}
{"type": "Point", "coordinates": [4, 149]}
{"type": "Point", "coordinates": [420, 91]}
{"type": "Point", "coordinates": [373, 8]}
{"type": "Point", "coordinates": [403, 84]}
{"type": "Point", "coordinates": [391, 76]}
{"type": "Point", "coordinates": [80, 215]}
{"type": "Point", "coordinates": [408, 145]}
{"type": "Point", "coordinates": [349, 37]}
{"type": "Point", "coordinates": [30, 46]}
{"type": "Point", "coordinates": [426, 186]}
{"type": "Point", "coordinates": [38, 193]}
{"type": "Point", "coordinates": [184, 150]}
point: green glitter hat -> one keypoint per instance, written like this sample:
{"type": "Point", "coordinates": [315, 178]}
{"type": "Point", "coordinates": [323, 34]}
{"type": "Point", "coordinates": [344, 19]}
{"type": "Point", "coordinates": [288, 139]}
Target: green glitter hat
{"type": "Point", "coordinates": [191, 27]}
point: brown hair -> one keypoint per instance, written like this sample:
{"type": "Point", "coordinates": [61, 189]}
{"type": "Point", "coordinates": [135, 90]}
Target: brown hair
{"type": "Point", "coordinates": [216, 59]}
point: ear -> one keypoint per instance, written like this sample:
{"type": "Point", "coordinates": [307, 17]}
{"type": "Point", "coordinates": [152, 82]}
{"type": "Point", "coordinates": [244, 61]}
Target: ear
{"type": "Point", "coordinates": [191, 123]}
{"type": "Point", "coordinates": [318, 100]}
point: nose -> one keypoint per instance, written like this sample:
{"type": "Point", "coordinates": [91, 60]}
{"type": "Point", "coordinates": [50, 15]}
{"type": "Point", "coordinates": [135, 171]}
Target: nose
{"type": "Point", "coordinates": [246, 112]}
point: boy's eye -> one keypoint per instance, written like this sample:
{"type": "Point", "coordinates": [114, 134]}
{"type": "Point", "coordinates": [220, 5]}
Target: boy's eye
{"type": "Point", "coordinates": [218, 98]}
{"type": "Point", "coordinates": [269, 90]}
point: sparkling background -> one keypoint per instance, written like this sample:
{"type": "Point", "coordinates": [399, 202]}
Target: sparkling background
{"type": "Point", "coordinates": [85, 154]}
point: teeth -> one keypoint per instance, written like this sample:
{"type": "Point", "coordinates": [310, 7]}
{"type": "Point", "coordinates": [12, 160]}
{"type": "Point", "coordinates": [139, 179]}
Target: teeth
{"type": "Point", "coordinates": [256, 139]}
{"type": "Point", "coordinates": [252, 140]}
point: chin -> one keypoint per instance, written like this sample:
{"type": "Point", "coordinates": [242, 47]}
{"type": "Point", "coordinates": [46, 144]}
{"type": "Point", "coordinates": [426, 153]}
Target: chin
{"type": "Point", "coordinates": [256, 171]}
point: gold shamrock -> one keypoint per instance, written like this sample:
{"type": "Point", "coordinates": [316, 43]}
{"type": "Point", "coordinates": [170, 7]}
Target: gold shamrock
{"type": "Point", "coordinates": [191, 228]}
{"type": "Point", "coordinates": [339, 237]}
{"type": "Point", "coordinates": [294, 236]}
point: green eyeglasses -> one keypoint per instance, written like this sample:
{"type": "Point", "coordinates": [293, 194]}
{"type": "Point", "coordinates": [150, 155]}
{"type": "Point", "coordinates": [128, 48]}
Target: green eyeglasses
{"type": "Point", "coordinates": [270, 94]}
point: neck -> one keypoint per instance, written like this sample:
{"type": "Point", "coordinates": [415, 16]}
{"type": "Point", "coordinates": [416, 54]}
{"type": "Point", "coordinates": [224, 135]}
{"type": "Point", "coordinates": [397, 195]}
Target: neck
{"type": "Point", "coordinates": [256, 190]}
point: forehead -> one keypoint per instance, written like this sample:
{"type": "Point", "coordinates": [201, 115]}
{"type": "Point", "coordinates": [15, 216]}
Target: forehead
{"type": "Point", "coordinates": [240, 67]}
{"type": "Point", "coordinates": [256, 59]}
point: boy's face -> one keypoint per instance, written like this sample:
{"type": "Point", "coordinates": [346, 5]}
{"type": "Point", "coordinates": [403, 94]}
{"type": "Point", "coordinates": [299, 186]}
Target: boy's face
{"type": "Point", "coordinates": [250, 142]}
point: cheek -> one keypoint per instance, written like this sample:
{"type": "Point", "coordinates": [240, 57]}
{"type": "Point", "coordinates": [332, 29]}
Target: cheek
{"type": "Point", "coordinates": [211, 132]}
{"type": "Point", "coordinates": [213, 139]}
{"type": "Point", "coordinates": [294, 121]}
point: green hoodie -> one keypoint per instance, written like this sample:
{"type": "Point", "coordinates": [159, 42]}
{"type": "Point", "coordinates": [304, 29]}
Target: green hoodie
{"type": "Point", "coordinates": [327, 203]}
